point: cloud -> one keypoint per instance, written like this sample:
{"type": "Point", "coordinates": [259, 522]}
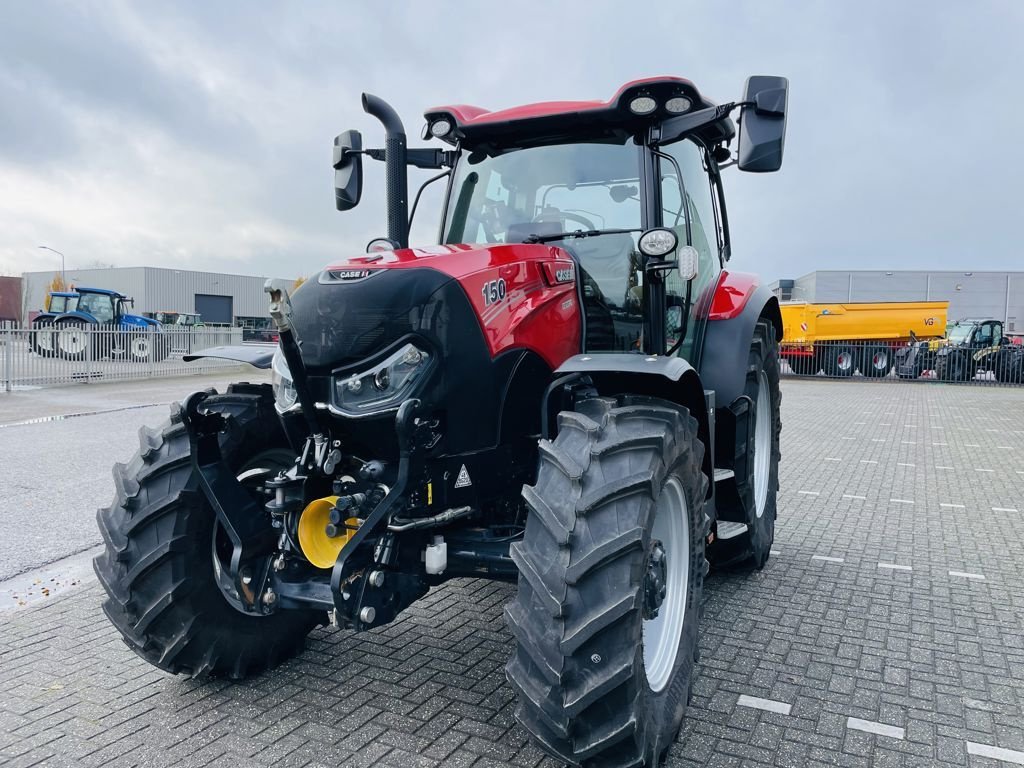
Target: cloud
{"type": "Point", "coordinates": [199, 134]}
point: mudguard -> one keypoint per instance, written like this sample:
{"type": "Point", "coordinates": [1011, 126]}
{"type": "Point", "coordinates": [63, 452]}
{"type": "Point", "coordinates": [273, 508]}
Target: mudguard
{"type": "Point", "coordinates": [738, 304]}
{"type": "Point", "coordinates": [667, 378]}
{"type": "Point", "coordinates": [256, 356]}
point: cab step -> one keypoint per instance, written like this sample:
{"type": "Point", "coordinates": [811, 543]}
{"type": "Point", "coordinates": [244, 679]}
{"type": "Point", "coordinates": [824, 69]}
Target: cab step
{"type": "Point", "coordinates": [730, 530]}
{"type": "Point", "coordinates": [723, 474]}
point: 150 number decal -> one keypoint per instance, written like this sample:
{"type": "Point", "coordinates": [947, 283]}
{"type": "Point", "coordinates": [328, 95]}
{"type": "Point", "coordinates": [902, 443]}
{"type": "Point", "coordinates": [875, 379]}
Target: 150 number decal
{"type": "Point", "coordinates": [494, 290]}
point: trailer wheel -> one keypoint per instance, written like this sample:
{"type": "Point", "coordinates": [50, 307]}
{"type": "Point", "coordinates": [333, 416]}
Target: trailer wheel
{"type": "Point", "coordinates": [877, 361]}
{"type": "Point", "coordinates": [159, 566]}
{"type": "Point", "coordinates": [840, 360]}
{"type": "Point", "coordinates": [611, 572]}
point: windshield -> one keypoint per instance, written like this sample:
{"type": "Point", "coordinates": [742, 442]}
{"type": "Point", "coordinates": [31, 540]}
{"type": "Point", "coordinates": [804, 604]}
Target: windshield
{"type": "Point", "coordinates": [560, 188]}
{"type": "Point", "coordinates": [99, 305]}
{"type": "Point", "coordinates": [958, 332]}
{"type": "Point", "coordinates": [543, 191]}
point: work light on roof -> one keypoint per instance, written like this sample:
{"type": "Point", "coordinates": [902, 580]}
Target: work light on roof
{"type": "Point", "coordinates": [677, 105]}
{"type": "Point", "coordinates": [642, 105]}
{"type": "Point", "coordinates": [440, 128]}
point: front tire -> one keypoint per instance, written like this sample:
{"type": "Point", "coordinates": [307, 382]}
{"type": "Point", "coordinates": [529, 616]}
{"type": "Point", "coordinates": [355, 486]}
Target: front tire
{"type": "Point", "coordinates": [611, 576]}
{"type": "Point", "coordinates": [71, 339]}
{"type": "Point", "coordinates": [158, 566]}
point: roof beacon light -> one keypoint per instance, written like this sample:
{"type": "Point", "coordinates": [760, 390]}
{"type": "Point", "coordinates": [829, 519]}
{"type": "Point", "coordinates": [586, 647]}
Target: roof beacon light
{"type": "Point", "coordinates": [678, 105]}
{"type": "Point", "coordinates": [642, 105]}
{"type": "Point", "coordinates": [440, 128]}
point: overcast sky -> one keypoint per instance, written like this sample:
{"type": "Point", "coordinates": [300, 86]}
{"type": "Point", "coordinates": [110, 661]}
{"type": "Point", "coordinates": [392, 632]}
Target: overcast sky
{"type": "Point", "coordinates": [198, 134]}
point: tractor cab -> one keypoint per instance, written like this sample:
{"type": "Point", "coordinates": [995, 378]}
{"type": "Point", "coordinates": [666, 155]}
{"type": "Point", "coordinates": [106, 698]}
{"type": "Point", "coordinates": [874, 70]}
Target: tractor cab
{"type": "Point", "coordinates": [61, 301]}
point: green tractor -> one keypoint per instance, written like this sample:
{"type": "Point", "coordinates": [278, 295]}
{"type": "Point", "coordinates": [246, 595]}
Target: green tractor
{"type": "Point", "coordinates": [975, 345]}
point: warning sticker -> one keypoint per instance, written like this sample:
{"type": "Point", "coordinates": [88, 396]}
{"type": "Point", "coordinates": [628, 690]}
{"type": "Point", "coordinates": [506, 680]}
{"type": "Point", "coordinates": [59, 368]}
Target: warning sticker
{"type": "Point", "coordinates": [463, 481]}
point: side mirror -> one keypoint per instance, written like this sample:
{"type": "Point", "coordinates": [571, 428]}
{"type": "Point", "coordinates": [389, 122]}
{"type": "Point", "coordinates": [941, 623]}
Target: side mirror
{"type": "Point", "coordinates": [348, 170]}
{"type": "Point", "coordinates": [763, 124]}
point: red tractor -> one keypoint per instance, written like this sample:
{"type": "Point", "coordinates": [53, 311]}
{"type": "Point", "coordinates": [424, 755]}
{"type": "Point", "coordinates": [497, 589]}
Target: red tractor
{"type": "Point", "coordinates": [569, 392]}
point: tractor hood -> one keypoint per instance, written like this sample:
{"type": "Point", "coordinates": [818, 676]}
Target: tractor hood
{"type": "Point", "coordinates": [359, 306]}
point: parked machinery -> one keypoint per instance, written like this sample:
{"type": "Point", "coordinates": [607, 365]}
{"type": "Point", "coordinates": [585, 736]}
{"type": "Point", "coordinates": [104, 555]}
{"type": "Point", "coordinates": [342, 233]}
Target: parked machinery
{"type": "Point", "coordinates": [41, 338]}
{"type": "Point", "coordinates": [867, 336]}
{"type": "Point", "coordinates": [569, 392]}
{"type": "Point", "coordinates": [100, 325]}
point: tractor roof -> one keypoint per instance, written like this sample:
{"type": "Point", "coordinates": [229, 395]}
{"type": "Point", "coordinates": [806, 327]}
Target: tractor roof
{"type": "Point", "coordinates": [105, 291]}
{"type": "Point", "coordinates": [554, 121]}
{"type": "Point", "coordinates": [64, 294]}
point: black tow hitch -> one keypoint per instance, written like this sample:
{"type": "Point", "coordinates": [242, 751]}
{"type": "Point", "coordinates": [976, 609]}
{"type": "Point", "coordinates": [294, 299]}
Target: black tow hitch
{"type": "Point", "coordinates": [243, 518]}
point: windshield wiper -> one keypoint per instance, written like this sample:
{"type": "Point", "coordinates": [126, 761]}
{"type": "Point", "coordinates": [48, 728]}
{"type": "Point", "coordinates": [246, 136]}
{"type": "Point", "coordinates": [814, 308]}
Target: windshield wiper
{"type": "Point", "coordinates": [576, 234]}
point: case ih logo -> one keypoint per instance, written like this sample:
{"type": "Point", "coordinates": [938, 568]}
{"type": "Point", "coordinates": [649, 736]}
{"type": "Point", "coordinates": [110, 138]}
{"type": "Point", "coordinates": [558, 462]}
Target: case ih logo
{"type": "Point", "coordinates": [351, 274]}
{"type": "Point", "coordinates": [559, 272]}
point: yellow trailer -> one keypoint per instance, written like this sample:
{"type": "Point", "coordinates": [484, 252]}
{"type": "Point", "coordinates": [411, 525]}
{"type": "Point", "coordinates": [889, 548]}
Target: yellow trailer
{"type": "Point", "coordinates": [841, 338]}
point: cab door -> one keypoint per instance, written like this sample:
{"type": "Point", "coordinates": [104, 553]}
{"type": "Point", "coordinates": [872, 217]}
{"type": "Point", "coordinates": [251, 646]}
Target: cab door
{"type": "Point", "coordinates": [689, 207]}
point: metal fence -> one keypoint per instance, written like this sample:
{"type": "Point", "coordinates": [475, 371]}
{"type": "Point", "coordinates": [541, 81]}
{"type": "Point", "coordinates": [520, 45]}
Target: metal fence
{"type": "Point", "coordinates": [917, 361]}
{"type": "Point", "coordinates": [35, 357]}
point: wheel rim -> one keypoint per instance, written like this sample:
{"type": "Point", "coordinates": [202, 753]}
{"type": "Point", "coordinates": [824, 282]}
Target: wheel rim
{"type": "Point", "coordinates": [44, 340]}
{"type": "Point", "coordinates": [140, 347]}
{"type": "Point", "coordinates": [71, 341]}
{"type": "Point", "coordinates": [762, 443]}
{"type": "Point", "coordinates": [844, 361]}
{"type": "Point", "coordinates": [880, 360]}
{"type": "Point", "coordinates": [662, 634]}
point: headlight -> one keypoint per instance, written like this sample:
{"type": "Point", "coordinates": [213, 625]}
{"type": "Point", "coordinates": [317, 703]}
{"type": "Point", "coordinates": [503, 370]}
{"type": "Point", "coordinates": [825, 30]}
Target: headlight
{"type": "Point", "coordinates": [385, 385]}
{"type": "Point", "coordinates": [285, 397]}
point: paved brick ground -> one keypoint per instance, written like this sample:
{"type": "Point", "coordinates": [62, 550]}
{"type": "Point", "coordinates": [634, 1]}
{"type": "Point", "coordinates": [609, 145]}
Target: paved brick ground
{"type": "Point", "coordinates": [939, 656]}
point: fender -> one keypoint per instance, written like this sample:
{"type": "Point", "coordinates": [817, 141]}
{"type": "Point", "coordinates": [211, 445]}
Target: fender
{"type": "Point", "coordinates": [738, 303]}
{"type": "Point", "coordinates": [128, 322]}
{"type": "Point", "coordinates": [667, 378]}
{"type": "Point", "coordinates": [85, 316]}
{"type": "Point", "coordinates": [256, 356]}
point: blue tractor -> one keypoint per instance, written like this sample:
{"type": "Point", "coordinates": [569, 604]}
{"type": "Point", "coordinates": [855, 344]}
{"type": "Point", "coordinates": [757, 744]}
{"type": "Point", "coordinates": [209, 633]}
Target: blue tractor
{"type": "Point", "coordinates": [117, 333]}
{"type": "Point", "coordinates": [41, 338]}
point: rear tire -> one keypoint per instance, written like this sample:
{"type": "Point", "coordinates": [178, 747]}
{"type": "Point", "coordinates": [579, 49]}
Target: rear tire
{"type": "Point", "coordinates": [599, 685]}
{"type": "Point", "coordinates": [42, 340]}
{"type": "Point", "coordinates": [71, 339]}
{"type": "Point", "coordinates": [952, 367]}
{"type": "Point", "coordinates": [158, 564]}
{"type": "Point", "coordinates": [758, 488]}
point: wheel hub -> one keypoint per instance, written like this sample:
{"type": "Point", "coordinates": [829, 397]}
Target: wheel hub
{"type": "Point", "coordinates": [655, 580]}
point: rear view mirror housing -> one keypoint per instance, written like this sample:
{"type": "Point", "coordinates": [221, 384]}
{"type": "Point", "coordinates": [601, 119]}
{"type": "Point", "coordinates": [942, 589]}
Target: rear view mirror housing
{"type": "Point", "coordinates": [348, 170]}
{"type": "Point", "coordinates": [762, 134]}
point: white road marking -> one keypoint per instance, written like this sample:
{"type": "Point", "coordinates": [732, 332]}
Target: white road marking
{"type": "Point", "coordinates": [904, 464]}
{"type": "Point", "coordinates": [879, 729]}
{"type": "Point", "coordinates": [886, 424]}
{"type": "Point", "coordinates": [980, 469]}
{"type": "Point", "coordinates": [832, 458]}
{"type": "Point", "coordinates": [1005, 447]}
{"type": "Point", "coordinates": [774, 552]}
{"type": "Point", "coordinates": [951, 506]}
{"type": "Point", "coordinates": [907, 442]}
{"type": "Point", "coordinates": [962, 575]}
{"type": "Point", "coordinates": [868, 461]}
{"type": "Point", "coordinates": [851, 496]}
{"type": "Point", "coordinates": [940, 443]}
{"type": "Point", "coordinates": [823, 558]}
{"type": "Point", "coordinates": [971, 445]}
{"type": "Point", "coordinates": [900, 501]}
{"type": "Point", "coordinates": [895, 567]}
{"type": "Point", "coordinates": [848, 438]}
{"type": "Point", "coordinates": [910, 426]}
{"type": "Point", "coordinates": [939, 466]}
{"type": "Point", "coordinates": [809, 493]}
{"type": "Point", "coordinates": [767, 705]}
{"type": "Point", "coordinates": [859, 423]}
{"type": "Point", "coordinates": [996, 753]}
{"type": "Point", "coordinates": [877, 439]}
{"type": "Point", "coordinates": [1004, 509]}
{"type": "Point", "coordinates": [991, 430]}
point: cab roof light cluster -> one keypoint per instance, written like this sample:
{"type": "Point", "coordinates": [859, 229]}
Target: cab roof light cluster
{"type": "Point", "coordinates": [645, 104]}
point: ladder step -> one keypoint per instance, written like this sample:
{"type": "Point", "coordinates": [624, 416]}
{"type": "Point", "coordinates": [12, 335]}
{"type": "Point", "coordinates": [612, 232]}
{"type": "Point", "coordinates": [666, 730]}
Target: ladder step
{"type": "Point", "coordinates": [730, 530]}
{"type": "Point", "coordinates": [723, 474]}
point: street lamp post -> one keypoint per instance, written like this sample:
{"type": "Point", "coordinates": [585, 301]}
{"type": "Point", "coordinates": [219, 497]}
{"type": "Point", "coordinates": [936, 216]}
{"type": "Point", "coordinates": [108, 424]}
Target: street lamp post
{"type": "Point", "coordinates": [54, 250]}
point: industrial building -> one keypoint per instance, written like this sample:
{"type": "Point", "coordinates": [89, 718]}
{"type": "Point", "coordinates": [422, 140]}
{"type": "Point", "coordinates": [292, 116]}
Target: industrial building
{"type": "Point", "coordinates": [998, 295]}
{"type": "Point", "coordinates": [218, 298]}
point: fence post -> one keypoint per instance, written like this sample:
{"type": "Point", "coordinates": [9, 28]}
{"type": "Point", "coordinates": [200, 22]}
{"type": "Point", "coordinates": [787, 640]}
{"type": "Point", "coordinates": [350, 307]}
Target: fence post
{"type": "Point", "coordinates": [90, 330]}
{"type": "Point", "coordinates": [8, 360]}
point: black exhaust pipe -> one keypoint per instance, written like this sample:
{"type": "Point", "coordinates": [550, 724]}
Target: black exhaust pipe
{"type": "Point", "coordinates": [397, 184]}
